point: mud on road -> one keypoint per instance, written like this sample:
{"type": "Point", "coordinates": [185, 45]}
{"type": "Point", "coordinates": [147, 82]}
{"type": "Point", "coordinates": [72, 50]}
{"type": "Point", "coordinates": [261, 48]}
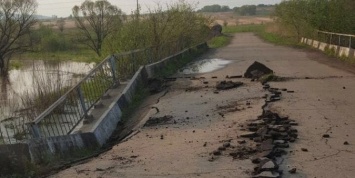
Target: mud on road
{"type": "Point", "coordinates": [300, 127]}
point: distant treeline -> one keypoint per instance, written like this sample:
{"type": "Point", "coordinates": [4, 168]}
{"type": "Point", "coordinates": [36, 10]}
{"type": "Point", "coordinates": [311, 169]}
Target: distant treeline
{"type": "Point", "coordinates": [261, 9]}
{"type": "Point", "coordinates": [305, 16]}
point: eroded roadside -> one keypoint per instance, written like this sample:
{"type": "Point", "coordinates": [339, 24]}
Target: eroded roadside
{"type": "Point", "coordinates": [198, 131]}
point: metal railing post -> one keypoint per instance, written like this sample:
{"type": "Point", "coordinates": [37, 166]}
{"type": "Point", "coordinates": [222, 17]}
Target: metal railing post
{"type": "Point", "coordinates": [35, 131]}
{"type": "Point", "coordinates": [133, 59]}
{"type": "Point", "coordinates": [339, 41]}
{"type": "Point", "coordinates": [350, 42]}
{"type": "Point", "coordinates": [331, 35]}
{"type": "Point", "coordinates": [113, 70]}
{"type": "Point", "coordinates": [82, 101]}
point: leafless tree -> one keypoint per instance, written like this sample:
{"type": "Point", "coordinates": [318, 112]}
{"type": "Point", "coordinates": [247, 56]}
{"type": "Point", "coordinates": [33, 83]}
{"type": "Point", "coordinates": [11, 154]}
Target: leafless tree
{"type": "Point", "coordinates": [16, 19]}
{"type": "Point", "coordinates": [96, 20]}
{"type": "Point", "coordinates": [61, 24]}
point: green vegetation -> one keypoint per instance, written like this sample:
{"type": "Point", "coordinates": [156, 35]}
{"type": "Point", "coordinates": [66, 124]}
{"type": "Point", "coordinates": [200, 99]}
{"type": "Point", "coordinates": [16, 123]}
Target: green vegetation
{"type": "Point", "coordinates": [17, 17]}
{"type": "Point", "coordinates": [177, 24]}
{"type": "Point", "coordinates": [80, 55]}
{"type": "Point", "coordinates": [14, 64]}
{"type": "Point", "coordinates": [303, 17]}
{"type": "Point", "coordinates": [242, 28]}
{"type": "Point", "coordinates": [246, 10]}
{"type": "Point", "coordinates": [261, 31]}
{"type": "Point", "coordinates": [278, 39]}
{"type": "Point", "coordinates": [215, 8]}
{"type": "Point", "coordinates": [96, 21]}
{"type": "Point", "coordinates": [219, 41]}
{"type": "Point", "coordinates": [54, 44]}
{"type": "Point", "coordinates": [271, 78]}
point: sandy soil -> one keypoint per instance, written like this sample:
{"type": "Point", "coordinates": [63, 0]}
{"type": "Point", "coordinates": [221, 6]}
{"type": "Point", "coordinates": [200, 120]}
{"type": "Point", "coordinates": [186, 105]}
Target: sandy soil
{"type": "Point", "coordinates": [181, 147]}
{"type": "Point", "coordinates": [232, 19]}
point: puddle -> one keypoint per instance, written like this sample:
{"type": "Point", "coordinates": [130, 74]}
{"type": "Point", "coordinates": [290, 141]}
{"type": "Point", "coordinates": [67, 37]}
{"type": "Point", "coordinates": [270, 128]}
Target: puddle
{"type": "Point", "coordinates": [205, 66]}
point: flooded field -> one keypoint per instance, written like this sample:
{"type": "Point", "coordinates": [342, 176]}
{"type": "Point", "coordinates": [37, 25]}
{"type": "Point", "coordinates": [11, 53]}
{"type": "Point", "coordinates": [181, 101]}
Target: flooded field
{"type": "Point", "coordinates": [35, 76]}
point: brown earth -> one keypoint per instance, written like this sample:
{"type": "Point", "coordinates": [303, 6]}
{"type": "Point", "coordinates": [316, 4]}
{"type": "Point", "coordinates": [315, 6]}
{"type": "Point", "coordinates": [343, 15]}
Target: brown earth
{"type": "Point", "coordinates": [233, 19]}
{"type": "Point", "coordinates": [195, 120]}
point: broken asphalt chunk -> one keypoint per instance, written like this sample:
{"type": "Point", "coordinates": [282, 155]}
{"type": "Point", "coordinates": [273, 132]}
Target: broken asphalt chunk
{"type": "Point", "coordinates": [249, 135]}
{"type": "Point", "coordinates": [256, 70]}
{"type": "Point", "coordinates": [226, 85]}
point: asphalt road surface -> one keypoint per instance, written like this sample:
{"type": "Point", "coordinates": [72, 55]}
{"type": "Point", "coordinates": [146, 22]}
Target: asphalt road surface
{"type": "Point", "coordinates": [195, 120]}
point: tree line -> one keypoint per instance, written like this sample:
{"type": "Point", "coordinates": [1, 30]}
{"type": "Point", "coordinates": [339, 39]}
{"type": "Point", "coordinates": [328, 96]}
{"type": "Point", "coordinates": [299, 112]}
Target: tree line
{"type": "Point", "coordinates": [243, 10]}
{"type": "Point", "coordinates": [100, 26]}
{"type": "Point", "coordinates": [306, 16]}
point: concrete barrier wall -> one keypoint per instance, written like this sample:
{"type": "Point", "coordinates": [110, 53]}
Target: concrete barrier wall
{"type": "Point", "coordinates": [107, 124]}
{"type": "Point", "coordinates": [339, 50]}
{"type": "Point", "coordinates": [43, 147]}
{"type": "Point", "coordinates": [352, 53]}
{"type": "Point", "coordinates": [315, 44]}
{"type": "Point", "coordinates": [302, 39]}
{"type": "Point", "coordinates": [36, 149]}
{"type": "Point", "coordinates": [139, 78]}
{"type": "Point", "coordinates": [322, 46]}
{"type": "Point", "coordinates": [343, 51]}
{"type": "Point", "coordinates": [153, 69]}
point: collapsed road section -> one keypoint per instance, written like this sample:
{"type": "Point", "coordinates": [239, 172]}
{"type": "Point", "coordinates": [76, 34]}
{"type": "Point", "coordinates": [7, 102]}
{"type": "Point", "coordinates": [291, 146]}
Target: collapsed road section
{"type": "Point", "coordinates": [196, 121]}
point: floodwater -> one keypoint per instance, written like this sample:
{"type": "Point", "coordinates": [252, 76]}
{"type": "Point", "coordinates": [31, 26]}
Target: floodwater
{"type": "Point", "coordinates": [34, 75]}
{"type": "Point", "coordinates": [205, 66]}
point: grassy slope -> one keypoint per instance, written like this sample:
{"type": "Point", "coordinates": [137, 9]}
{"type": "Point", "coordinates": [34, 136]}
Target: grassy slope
{"type": "Point", "coordinates": [260, 30]}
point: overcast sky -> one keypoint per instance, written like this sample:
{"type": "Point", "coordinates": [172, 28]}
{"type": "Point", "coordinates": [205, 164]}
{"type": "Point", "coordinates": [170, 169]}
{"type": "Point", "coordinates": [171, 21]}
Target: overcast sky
{"type": "Point", "coordinates": [62, 8]}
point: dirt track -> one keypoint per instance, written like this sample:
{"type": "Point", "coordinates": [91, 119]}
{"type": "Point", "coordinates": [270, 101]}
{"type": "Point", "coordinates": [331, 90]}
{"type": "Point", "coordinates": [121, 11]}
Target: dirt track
{"type": "Point", "coordinates": [202, 121]}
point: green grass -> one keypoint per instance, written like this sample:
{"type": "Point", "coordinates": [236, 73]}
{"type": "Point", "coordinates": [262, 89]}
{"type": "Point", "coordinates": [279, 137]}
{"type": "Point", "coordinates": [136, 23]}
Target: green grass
{"type": "Point", "coordinates": [278, 39]}
{"type": "Point", "coordinates": [271, 77]}
{"type": "Point", "coordinates": [242, 28]}
{"type": "Point", "coordinates": [260, 30]}
{"type": "Point", "coordinates": [219, 41]}
{"type": "Point", "coordinates": [15, 64]}
{"type": "Point", "coordinates": [81, 55]}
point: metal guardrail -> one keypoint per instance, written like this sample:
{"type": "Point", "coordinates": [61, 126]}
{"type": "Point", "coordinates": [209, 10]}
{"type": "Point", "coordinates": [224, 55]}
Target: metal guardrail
{"type": "Point", "coordinates": [339, 39]}
{"type": "Point", "coordinates": [64, 115]}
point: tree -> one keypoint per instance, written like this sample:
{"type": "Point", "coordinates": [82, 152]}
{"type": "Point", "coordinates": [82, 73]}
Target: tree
{"type": "Point", "coordinates": [293, 14]}
{"type": "Point", "coordinates": [174, 24]}
{"type": "Point", "coordinates": [95, 21]}
{"type": "Point", "coordinates": [61, 24]}
{"type": "Point", "coordinates": [215, 8]}
{"type": "Point", "coordinates": [305, 16]}
{"type": "Point", "coordinates": [16, 19]}
{"type": "Point", "coordinates": [246, 10]}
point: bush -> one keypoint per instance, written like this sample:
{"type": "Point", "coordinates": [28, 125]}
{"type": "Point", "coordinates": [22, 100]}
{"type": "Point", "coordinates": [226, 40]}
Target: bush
{"type": "Point", "coordinates": [179, 24]}
{"type": "Point", "coordinates": [45, 39]}
{"type": "Point", "coordinates": [218, 41]}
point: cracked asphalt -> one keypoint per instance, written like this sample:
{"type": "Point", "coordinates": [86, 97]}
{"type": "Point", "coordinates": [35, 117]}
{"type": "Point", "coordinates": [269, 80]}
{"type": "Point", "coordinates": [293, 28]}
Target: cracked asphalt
{"type": "Point", "coordinates": [323, 103]}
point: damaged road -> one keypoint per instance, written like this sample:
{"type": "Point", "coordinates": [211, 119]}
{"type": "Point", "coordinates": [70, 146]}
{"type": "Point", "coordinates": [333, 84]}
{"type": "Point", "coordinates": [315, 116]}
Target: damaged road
{"type": "Point", "coordinates": [289, 128]}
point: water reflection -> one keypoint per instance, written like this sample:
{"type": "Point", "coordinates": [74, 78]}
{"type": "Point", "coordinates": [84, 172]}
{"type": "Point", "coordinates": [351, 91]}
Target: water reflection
{"type": "Point", "coordinates": [37, 75]}
{"type": "Point", "coordinates": [205, 66]}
